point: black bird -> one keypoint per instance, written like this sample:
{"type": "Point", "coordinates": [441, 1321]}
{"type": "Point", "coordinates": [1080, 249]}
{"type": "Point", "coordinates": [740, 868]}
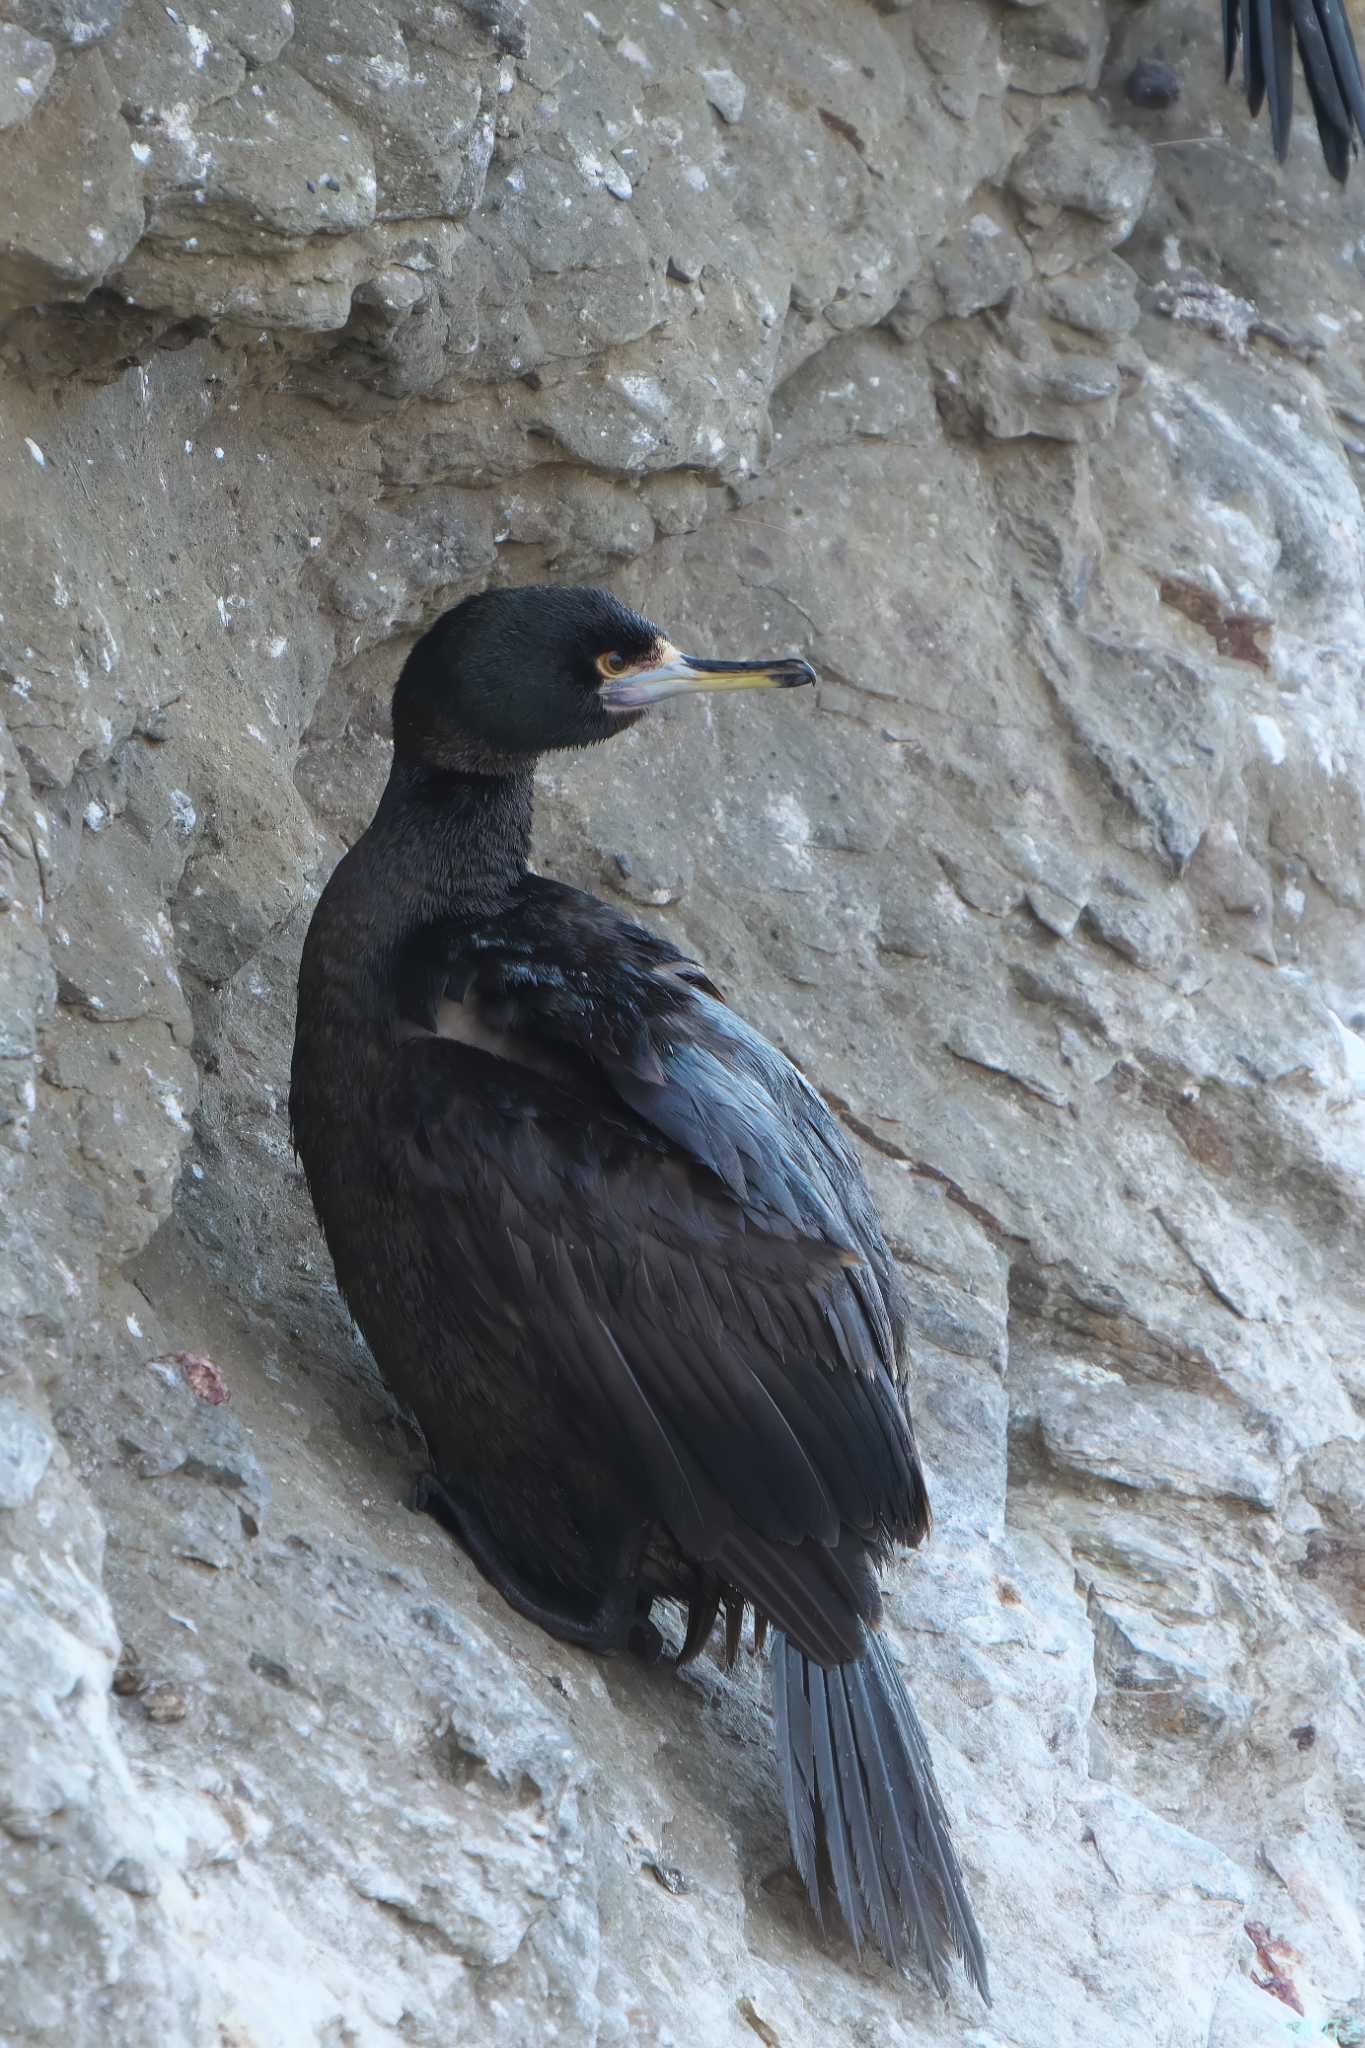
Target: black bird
{"type": "Point", "coordinates": [613, 1250]}
{"type": "Point", "coordinates": [1331, 68]}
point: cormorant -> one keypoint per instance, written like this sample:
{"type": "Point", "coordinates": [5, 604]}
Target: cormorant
{"type": "Point", "coordinates": [1327, 51]}
{"type": "Point", "coordinates": [613, 1250]}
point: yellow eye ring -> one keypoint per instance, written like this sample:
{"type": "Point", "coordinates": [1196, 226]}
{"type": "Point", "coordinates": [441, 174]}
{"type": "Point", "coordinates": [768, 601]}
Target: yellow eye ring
{"type": "Point", "coordinates": [613, 664]}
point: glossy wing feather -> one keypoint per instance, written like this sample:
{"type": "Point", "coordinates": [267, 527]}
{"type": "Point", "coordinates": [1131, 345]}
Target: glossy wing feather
{"type": "Point", "coordinates": [666, 1213]}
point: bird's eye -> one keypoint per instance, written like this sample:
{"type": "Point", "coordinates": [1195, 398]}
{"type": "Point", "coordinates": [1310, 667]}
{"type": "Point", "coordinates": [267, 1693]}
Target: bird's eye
{"type": "Point", "coordinates": [613, 664]}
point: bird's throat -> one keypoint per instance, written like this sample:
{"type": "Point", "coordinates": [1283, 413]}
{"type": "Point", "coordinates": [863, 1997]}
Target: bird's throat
{"type": "Point", "coordinates": [449, 844]}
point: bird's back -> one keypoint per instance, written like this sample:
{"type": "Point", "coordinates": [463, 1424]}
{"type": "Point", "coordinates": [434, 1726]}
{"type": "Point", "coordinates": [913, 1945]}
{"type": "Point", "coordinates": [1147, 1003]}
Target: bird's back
{"type": "Point", "coordinates": [598, 1232]}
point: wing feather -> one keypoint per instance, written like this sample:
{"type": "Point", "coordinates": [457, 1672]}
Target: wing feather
{"type": "Point", "coordinates": [660, 1210]}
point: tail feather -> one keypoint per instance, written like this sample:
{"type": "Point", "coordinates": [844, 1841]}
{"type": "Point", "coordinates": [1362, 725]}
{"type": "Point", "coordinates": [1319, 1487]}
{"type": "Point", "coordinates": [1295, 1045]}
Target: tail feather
{"type": "Point", "coordinates": [857, 1780]}
{"type": "Point", "coordinates": [1269, 30]}
{"type": "Point", "coordinates": [1344, 59]}
{"type": "Point", "coordinates": [905, 1835]}
{"type": "Point", "coordinates": [933, 1837]}
{"type": "Point", "coordinates": [830, 1796]}
{"type": "Point", "coordinates": [858, 1788]}
{"type": "Point", "coordinates": [796, 1764]}
{"type": "Point", "coordinates": [1335, 86]}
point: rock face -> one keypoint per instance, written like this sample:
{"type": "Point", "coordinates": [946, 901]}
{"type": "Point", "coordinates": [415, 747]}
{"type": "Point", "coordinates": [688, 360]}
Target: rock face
{"type": "Point", "coordinates": [901, 336]}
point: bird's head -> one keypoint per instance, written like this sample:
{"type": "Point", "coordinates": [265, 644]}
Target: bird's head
{"type": "Point", "coordinates": [513, 673]}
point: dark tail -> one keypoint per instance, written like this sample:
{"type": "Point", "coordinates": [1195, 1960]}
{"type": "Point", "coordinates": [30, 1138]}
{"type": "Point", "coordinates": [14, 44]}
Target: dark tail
{"type": "Point", "coordinates": [1330, 66]}
{"type": "Point", "coordinates": [859, 1783]}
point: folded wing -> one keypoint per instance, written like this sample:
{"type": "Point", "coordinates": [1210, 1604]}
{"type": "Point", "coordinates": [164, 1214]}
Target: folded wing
{"type": "Point", "coordinates": [630, 1186]}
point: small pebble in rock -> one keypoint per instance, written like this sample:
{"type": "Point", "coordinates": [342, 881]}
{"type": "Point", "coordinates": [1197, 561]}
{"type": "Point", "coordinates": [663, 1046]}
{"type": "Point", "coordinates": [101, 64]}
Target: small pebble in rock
{"type": "Point", "coordinates": [163, 1703]}
{"type": "Point", "coordinates": [132, 1875]}
{"type": "Point", "coordinates": [725, 92]}
{"type": "Point", "coordinates": [1152, 83]}
{"type": "Point", "coordinates": [128, 1679]}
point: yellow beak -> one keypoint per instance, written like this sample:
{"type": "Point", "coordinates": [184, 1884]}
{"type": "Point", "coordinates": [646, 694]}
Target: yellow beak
{"type": "Point", "coordinates": [687, 672]}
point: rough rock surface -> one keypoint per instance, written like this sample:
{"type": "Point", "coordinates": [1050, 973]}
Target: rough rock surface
{"type": "Point", "coordinates": [894, 334]}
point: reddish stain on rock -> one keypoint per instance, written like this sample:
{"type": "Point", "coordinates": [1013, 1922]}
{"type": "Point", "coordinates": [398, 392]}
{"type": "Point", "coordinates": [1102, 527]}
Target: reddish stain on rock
{"type": "Point", "coordinates": [1275, 1958]}
{"type": "Point", "coordinates": [200, 1375]}
{"type": "Point", "coordinates": [1233, 633]}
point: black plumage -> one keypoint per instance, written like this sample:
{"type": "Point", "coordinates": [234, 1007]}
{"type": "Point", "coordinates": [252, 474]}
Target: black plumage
{"type": "Point", "coordinates": [1268, 31]}
{"type": "Point", "coordinates": [612, 1249]}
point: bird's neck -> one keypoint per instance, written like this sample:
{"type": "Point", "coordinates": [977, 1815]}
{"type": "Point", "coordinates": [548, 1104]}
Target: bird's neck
{"type": "Point", "coordinates": [449, 844]}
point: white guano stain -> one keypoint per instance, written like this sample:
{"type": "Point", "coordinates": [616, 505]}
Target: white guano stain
{"type": "Point", "coordinates": [1271, 736]}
